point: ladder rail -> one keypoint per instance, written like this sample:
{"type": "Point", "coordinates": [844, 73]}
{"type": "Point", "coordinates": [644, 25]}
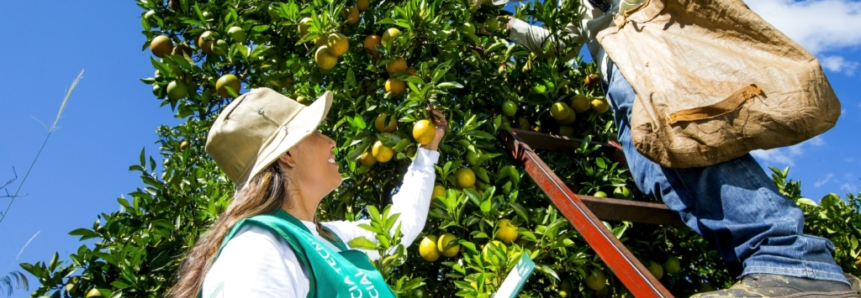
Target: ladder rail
{"type": "Point", "coordinates": [626, 267]}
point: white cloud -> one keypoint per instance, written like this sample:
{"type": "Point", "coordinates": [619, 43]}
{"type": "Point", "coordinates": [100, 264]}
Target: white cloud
{"type": "Point", "coordinates": [818, 25]}
{"type": "Point", "coordinates": [823, 181]}
{"type": "Point", "coordinates": [849, 188]}
{"type": "Point", "coordinates": [838, 64]}
{"type": "Point", "coordinates": [786, 155]}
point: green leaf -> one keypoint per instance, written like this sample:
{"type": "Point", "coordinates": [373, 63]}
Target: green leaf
{"type": "Point", "coordinates": [362, 242]}
{"type": "Point", "coordinates": [548, 271]}
{"type": "Point", "coordinates": [485, 206]}
{"type": "Point", "coordinates": [388, 139]}
{"type": "Point", "coordinates": [449, 85]}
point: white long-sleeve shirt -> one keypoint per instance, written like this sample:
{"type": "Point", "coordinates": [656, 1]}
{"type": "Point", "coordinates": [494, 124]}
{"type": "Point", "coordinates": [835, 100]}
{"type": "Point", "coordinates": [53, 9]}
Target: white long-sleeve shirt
{"type": "Point", "coordinates": [259, 263]}
{"type": "Point", "coordinates": [593, 20]}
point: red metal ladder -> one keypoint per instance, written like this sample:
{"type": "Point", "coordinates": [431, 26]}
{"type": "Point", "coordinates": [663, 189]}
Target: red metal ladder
{"type": "Point", "coordinates": [585, 213]}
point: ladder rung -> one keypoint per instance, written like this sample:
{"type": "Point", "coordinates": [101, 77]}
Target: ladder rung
{"type": "Point", "coordinates": [635, 211]}
{"type": "Point", "coordinates": [575, 208]}
{"type": "Point", "coordinates": [543, 141]}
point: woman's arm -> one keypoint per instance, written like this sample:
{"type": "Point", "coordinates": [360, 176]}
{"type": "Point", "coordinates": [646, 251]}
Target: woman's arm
{"type": "Point", "coordinates": [412, 200]}
{"type": "Point", "coordinates": [534, 37]}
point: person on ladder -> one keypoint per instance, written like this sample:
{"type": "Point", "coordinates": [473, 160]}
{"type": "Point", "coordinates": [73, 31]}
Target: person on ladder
{"type": "Point", "coordinates": [733, 205]}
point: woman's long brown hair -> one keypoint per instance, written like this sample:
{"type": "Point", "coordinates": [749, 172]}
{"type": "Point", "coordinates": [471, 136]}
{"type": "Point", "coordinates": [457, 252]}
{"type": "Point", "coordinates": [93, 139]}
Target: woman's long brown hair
{"type": "Point", "coordinates": [264, 194]}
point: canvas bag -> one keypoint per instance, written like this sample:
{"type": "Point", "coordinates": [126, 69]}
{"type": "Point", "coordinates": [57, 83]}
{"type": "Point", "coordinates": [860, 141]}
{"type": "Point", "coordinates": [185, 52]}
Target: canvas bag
{"type": "Point", "coordinates": [714, 81]}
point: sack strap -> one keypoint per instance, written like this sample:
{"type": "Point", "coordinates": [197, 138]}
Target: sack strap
{"type": "Point", "coordinates": [728, 105]}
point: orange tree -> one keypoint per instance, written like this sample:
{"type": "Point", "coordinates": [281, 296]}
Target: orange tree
{"type": "Point", "coordinates": [385, 61]}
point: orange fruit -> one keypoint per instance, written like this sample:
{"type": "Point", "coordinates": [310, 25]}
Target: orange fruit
{"type": "Point", "coordinates": [600, 105]}
{"type": "Point", "coordinates": [572, 116]}
{"type": "Point", "coordinates": [381, 152]}
{"type": "Point", "coordinates": [363, 5]}
{"type": "Point", "coordinates": [367, 159]}
{"type": "Point", "coordinates": [371, 41]}
{"type": "Point", "coordinates": [465, 178]}
{"type": "Point", "coordinates": [181, 49]}
{"type": "Point", "coordinates": [227, 80]}
{"type": "Point", "coordinates": [390, 34]}
{"type": "Point", "coordinates": [592, 79]}
{"type": "Point", "coordinates": [321, 41]}
{"type": "Point", "coordinates": [338, 44]}
{"type": "Point", "coordinates": [490, 257]}
{"type": "Point", "coordinates": [438, 191]}
{"type": "Point", "coordinates": [380, 123]}
{"type": "Point", "coordinates": [509, 108]}
{"type": "Point", "coordinates": [580, 103]}
{"type": "Point", "coordinates": [444, 241]}
{"type": "Point", "coordinates": [600, 194]}
{"type": "Point", "coordinates": [324, 59]}
{"type": "Point", "coordinates": [176, 90]}
{"type": "Point", "coordinates": [395, 86]}
{"type": "Point", "coordinates": [204, 42]}
{"type": "Point", "coordinates": [351, 14]}
{"type": "Point", "coordinates": [412, 71]}
{"type": "Point", "coordinates": [560, 111]}
{"type": "Point", "coordinates": [673, 265]}
{"type": "Point", "coordinates": [94, 293]}
{"type": "Point", "coordinates": [596, 280]}
{"type": "Point", "coordinates": [656, 269]}
{"type": "Point", "coordinates": [424, 132]}
{"type": "Point", "coordinates": [304, 24]}
{"type": "Point", "coordinates": [428, 248]}
{"type": "Point", "coordinates": [506, 231]}
{"type": "Point", "coordinates": [161, 46]}
{"type": "Point", "coordinates": [397, 65]}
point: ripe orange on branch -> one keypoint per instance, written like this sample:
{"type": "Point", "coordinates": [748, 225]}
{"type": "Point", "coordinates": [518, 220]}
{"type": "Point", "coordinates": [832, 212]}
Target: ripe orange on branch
{"type": "Point", "coordinates": [363, 5]}
{"type": "Point", "coordinates": [161, 46]}
{"type": "Point", "coordinates": [304, 24]}
{"type": "Point", "coordinates": [338, 44]}
{"type": "Point", "coordinates": [395, 86]}
{"type": "Point", "coordinates": [424, 132]}
{"type": "Point", "coordinates": [205, 41]}
{"type": "Point", "coordinates": [381, 152]}
{"type": "Point", "coordinates": [390, 34]}
{"type": "Point", "coordinates": [397, 65]}
{"type": "Point", "coordinates": [324, 59]}
{"type": "Point", "coordinates": [351, 14]}
{"type": "Point", "coordinates": [371, 41]}
{"type": "Point", "coordinates": [227, 80]}
{"type": "Point", "coordinates": [465, 178]}
{"type": "Point", "coordinates": [380, 123]}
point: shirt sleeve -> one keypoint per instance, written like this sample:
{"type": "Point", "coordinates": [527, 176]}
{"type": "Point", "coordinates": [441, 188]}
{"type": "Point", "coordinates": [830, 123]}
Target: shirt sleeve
{"type": "Point", "coordinates": [256, 263]}
{"type": "Point", "coordinates": [534, 37]}
{"type": "Point", "coordinates": [412, 201]}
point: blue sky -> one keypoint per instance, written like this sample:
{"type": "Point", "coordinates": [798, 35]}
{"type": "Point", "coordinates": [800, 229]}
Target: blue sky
{"type": "Point", "coordinates": [112, 115]}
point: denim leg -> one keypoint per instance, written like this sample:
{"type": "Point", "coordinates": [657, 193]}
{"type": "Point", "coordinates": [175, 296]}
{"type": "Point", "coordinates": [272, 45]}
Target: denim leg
{"type": "Point", "coordinates": [734, 205]}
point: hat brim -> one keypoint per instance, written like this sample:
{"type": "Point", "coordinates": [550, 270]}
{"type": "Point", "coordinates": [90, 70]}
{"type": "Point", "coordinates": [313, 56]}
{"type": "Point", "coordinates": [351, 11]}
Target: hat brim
{"type": "Point", "coordinates": [297, 129]}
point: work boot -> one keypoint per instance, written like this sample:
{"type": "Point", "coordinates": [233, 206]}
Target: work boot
{"type": "Point", "coordinates": [772, 285]}
{"type": "Point", "coordinates": [854, 282]}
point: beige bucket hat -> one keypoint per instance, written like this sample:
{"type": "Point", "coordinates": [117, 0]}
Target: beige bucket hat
{"type": "Point", "coordinates": [257, 127]}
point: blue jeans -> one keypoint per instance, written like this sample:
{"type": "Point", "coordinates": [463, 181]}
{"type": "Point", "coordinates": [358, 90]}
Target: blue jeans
{"type": "Point", "coordinates": [733, 205]}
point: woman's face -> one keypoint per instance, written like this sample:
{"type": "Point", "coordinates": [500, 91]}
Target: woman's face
{"type": "Point", "coordinates": [315, 171]}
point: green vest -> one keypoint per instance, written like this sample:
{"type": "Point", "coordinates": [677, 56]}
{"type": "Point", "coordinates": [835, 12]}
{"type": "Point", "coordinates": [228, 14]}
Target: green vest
{"type": "Point", "coordinates": [344, 274]}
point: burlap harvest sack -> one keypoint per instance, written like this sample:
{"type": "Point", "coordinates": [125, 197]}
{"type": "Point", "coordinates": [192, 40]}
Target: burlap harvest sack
{"type": "Point", "coordinates": [715, 81]}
